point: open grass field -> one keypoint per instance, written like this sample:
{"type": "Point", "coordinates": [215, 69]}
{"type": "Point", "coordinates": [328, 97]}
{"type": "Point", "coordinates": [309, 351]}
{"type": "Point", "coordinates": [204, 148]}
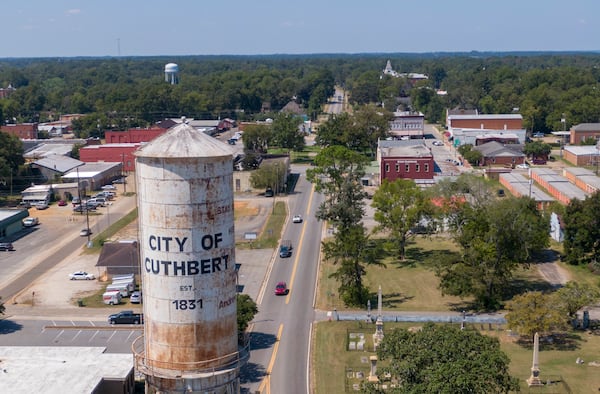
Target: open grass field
{"type": "Point", "coordinates": [557, 361]}
{"type": "Point", "coordinates": [413, 286]}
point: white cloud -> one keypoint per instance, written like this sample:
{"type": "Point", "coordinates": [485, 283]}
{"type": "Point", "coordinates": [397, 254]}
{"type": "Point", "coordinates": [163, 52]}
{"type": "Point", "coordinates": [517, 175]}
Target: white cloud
{"type": "Point", "coordinates": [73, 11]}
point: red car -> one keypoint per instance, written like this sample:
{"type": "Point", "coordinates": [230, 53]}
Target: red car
{"type": "Point", "coordinates": [281, 289]}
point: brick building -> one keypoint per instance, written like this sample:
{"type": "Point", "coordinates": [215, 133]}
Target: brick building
{"type": "Point", "coordinates": [111, 153]}
{"type": "Point", "coordinates": [583, 131]}
{"type": "Point", "coordinates": [497, 154]}
{"type": "Point", "coordinates": [133, 136]}
{"type": "Point", "coordinates": [410, 159]}
{"type": "Point", "coordinates": [24, 131]}
{"type": "Point", "coordinates": [487, 121]}
{"type": "Point", "coordinates": [407, 124]}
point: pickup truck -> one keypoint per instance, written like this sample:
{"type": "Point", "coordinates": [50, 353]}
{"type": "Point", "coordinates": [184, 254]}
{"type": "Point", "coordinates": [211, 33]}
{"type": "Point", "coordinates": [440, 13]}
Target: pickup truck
{"type": "Point", "coordinates": [285, 248]}
{"type": "Point", "coordinates": [126, 317]}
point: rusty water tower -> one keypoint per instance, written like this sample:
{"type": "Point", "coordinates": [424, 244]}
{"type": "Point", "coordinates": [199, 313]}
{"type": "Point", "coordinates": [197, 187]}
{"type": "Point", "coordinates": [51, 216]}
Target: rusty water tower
{"type": "Point", "coordinates": [186, 227]}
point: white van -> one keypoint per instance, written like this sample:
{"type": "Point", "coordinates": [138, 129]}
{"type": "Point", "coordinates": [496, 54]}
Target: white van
{"type": "Point", "coordinates": [120, 287]}
{"type": "Point", "coordinates": [112, 297]}
{"type": "Point", "coordinates": [130, 283]}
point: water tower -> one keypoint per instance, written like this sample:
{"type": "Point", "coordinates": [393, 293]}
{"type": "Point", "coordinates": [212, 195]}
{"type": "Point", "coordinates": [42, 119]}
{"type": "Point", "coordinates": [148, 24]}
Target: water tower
{"type": "Point", "coordinates": [172, 73]}
{"type": "Point", "coordinates": [186, 224]}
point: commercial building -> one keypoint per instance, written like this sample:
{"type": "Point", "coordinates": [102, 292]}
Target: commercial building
{"type": "Point", "coordinates": [583, 131]}
{"type": "Point", "coordinates": [410, 159]}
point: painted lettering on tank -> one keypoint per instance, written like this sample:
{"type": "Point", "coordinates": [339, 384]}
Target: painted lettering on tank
{"type": "Point", "coordinates": [186, 267]}
{"type": "Point", "coordinates": [162, 243]}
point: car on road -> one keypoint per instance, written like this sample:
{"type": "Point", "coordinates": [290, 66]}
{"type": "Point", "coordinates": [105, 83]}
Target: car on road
{"type": "Point", "coordinates": [285, 249]}
{"type": "Point", "coordinates": [523, 166]}
{"type": "Point", "coordinates": [136, 297]}
{"type": "Point", "coordinates": [281, 289]}
{"type": "Point", "coordinates": [30, 222]}
{"type": "Point", "coordinates": [437, 143]}
{"type": "Point", "coordinates": [297, 219]}
{"type": "Point", "coordinates": [81, 275]}
{"type": "Point", "coordinates": [6, 246]}
{"type": "Point", "coordinates": [85, 232]}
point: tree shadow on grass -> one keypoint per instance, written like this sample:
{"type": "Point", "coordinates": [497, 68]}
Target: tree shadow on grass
{"type": "Point", "coordinates": [519, 286]}
{"type": "Point", "coordinates": [559, 341]}
{"type": "Point", "coordinates": [390, 300]}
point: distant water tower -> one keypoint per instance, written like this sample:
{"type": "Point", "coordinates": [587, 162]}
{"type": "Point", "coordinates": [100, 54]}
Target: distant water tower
{"type": "Point", "coordinates": [185, 197]}
{"type": "Point", "coordinates": [172, 73]}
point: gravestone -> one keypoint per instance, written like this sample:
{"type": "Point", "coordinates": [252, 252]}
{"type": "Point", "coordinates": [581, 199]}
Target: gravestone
{"type": "Point", "coordinates": [534, 379]}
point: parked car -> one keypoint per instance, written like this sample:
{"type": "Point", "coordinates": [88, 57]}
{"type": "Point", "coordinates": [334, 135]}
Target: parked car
{"type": "Point", "coordinates": [281, 289]}
{"type": "Point", "coordinates": [24, 204]}
{"type": "Point", "coordinates": [136, 297]}
{"type": "Point", "coordinates": [523, 166]}
{"type": "Point", "coordinates": [41, 205]}
{"type": "Point", "coordinates": [76, 201]}
{"type": "Point", "coordinates": [120, 180]}
{"type": "Point", "coordinates": [61, 203]}
{"type": "Point", "coordinates": [538, 135]}
{"type": "Point", "coordinates": [297, 219]}
{"type": "Point", "coordinates": [6, 246]}
{"type": "Point", "coordinates": [269, 192]}
{"type": "Point", "coordinates": [437, 143]}
{"type": "Point", "coordinates": [31, 221]}
{"type": "Point", "coordinates": [84, 208]}
{"type": "Point", "coordinates": [108, 187]}
{"type": "Point", "coordinates": [81, 275]}
{"type": "Point", "coordinates": [85, 232]}
{"type": "Point", "coordinates": [126, 317]}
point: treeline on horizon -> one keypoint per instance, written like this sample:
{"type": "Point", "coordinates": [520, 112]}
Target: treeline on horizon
{"type": "Point", "coordinates": [122, 92]}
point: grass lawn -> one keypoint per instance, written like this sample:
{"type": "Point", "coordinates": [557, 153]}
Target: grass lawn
{"type": "Point", "coordinates": [114, 228]}
{"type": "Point", "coordinates": [407, 286]}
{"type": "Point", "coordinates": [269, 236]}
{"type": "Point", "coordinates": [412, 285]}
{"type": "Point", "coordinates": [557, 361]}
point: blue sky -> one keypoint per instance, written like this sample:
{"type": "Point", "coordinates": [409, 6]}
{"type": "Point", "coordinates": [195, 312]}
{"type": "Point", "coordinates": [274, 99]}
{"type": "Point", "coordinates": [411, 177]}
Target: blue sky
{"type": "Point", "coordinates": [64, 28]}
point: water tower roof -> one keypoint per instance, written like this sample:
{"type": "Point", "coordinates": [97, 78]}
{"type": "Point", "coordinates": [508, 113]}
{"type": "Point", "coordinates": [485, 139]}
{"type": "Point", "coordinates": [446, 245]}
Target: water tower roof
{"type": "Point", "coordinates": [184, 141]}
{"type": "Point", "coordinates": [171, 67]}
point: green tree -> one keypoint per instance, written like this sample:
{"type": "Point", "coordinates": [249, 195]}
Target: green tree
{"type": "Point", "coordinates": [399, 206]}
{"type": "Point", "coordinates": [246, 310]}
{"type": "Point", "coordinates": [471, 155]}
{"type": "Point", "coordinates": [337, 130]}
{"type": "Point", "coordinates": [495, 239]}
{"type": "Point", "coordinates": [286, 132]}
{"type": "Point", "coordinates": [11, 155]}
{"type": "Point", "coordinates": [351, 250]}
{"type": "Point", "coordinates": [257, 138]}
{"type": "Point", "coordinates": [582, 231]}
{"type": "Point", "coordinates": [268, 176]}
{"type": "Point", "coordinates": [537, 149]}
{"type": "Point", "coordinates": [337, 174]}
{"type": "Point", "coordinates": [574, 296]}
{"type": "Point", "coordinates": [534, 312]}
{"type": "Point", "coordinates": [444, 359]}
{"type": "Point", "coordinates": [371, 124]}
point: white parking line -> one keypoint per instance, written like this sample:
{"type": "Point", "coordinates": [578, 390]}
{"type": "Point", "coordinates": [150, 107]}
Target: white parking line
{"type": "Point", "coordinates": [58, 336]}
{"type": "Point", "coordinates": [76, 335]}
{"type": "Point", "coordinates": [93, 336]}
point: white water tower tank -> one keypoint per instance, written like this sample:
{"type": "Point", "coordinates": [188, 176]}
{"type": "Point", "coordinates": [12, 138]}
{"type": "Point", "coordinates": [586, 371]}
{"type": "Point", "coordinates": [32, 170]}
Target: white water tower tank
{"type": "Point", "coordinates": [172, 73]}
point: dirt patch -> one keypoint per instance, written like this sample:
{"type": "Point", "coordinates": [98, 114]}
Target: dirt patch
{"type": "Point", "coordinates": [244, 208]}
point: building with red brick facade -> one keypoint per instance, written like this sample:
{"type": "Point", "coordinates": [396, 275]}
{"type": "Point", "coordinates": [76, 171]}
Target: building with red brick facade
{"type": "Point", "coordinates": [487, 121]}
{"type": "Point", "coordinates": [410, 159]}
{"type": "Point", "coordinates": [24, 131]}
{"type": "Point", "coordinates": [584, 131]}
{"type": "Point", "coordinates": [111, 153]}
{"type": "Point", "coordinates": [133, 136]}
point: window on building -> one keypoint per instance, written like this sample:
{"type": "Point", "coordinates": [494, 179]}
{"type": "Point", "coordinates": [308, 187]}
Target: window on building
{"type": "Point", "coordinates": [426, 167]}
{"type": "Point", "coordinates": [417, 167]}
{"type": "Point", "coordinates": [397, 167]}
{"type": "Point", "coordinates": [407, 167]}
{"type": "Point", "coordinates": [387, 168]}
